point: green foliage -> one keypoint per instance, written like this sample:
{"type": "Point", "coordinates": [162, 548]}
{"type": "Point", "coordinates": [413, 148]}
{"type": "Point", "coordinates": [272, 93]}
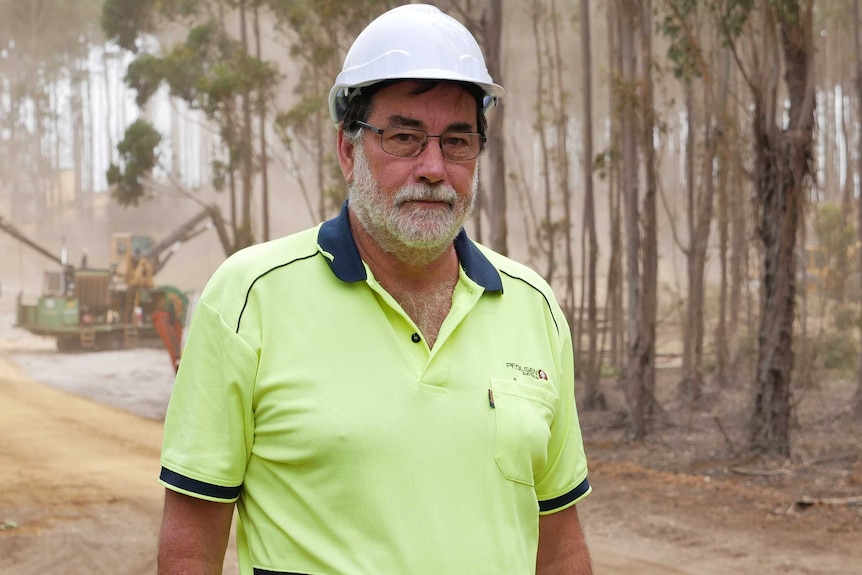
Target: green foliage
{"type": "Point", "coordinates": [683, 51]}
{"type": "Point", "coordinates": [845, 317]}
{"type": "Point", "coordinates": [208, 71]}
{"type": "Point", "coordinates": [732, 15]}
{"type": "Point", "coordinates": [834, 231]}
{"type": "Point", "coordinates": [139, 156]}
{"type": "Point", "coordinates": [145, 75]}
{"type": "Point", "coordinates": [839, 352]}
{"type": "Point", "coordinates": [124, 21]}
{"type": "Point", "coordinates": [603, 161]}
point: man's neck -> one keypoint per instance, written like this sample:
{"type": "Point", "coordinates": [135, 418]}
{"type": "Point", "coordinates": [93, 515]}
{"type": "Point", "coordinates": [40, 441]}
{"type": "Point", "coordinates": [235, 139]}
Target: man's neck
{"type": "Point", "coordinates": [423, 290]}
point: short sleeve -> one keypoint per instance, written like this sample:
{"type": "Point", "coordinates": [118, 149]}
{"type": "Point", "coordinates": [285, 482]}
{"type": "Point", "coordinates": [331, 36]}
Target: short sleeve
{"type": "Point", "coordinates": [209, 422]}
{"type": "Point", "coordinates": [564, 480]}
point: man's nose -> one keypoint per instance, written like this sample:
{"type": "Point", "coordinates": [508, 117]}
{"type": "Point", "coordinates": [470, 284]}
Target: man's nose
{"type": "Point", "coordinates": [430, 163]}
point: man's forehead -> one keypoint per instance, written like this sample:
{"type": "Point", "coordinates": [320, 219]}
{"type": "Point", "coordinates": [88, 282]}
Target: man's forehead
{"type": "Point", "coordinates": [400, 101]}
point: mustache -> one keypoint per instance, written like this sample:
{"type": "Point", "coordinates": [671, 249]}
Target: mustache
{"type": "Point", "coordinates": [426, 193]}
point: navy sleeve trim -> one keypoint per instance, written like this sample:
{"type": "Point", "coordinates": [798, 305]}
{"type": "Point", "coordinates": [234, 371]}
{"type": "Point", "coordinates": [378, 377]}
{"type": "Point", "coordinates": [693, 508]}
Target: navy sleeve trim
{"type": "Point", "coordinates": [199, 487]}
{"type": "Point", "coordinates": [563, 500]}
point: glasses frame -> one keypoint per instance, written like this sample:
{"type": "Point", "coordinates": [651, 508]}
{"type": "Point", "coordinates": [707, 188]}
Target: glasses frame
{"type": "Point", "coordinates": [379, 131]}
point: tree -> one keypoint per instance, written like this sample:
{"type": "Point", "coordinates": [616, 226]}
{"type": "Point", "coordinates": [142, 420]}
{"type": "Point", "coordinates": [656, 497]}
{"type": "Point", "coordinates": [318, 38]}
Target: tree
{"type": "Point", "coordinates": [138, 153]}
{"type": "Point", "coordinates": [642, 351]}
{"type": "Point", "coordinates": [594, 397]}
{"type": "Point", "coordinates": [857, 45]}
{"type": "Point", "coordinates": [212, 72]}
{"type": "Point", "coordinates": [783, 139]}
{"type": "Point", "coordinates": [636, 384]}
{"type": "Point", "coordinates": [683, 26]}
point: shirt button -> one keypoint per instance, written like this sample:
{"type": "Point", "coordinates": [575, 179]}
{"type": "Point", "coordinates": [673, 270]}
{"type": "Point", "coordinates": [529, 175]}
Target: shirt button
{"type": "Point", "coordinates": [415, 337]}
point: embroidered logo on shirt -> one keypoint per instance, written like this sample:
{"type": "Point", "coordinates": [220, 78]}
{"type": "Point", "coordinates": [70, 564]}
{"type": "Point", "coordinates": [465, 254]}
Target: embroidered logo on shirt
{"type": "Point", "coordinates": [529, 371]}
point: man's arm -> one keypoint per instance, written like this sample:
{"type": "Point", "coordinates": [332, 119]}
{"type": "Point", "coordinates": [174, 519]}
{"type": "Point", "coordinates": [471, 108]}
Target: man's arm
{"type": "Point", "coordinates": [562, 547]}
{"type": "Point", "coordinates": [194, 535]}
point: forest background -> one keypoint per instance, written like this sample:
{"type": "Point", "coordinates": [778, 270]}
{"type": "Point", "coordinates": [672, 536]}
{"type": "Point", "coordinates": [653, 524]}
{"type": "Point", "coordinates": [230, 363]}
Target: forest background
{"type": "Point", "coordinates": [685, 173]}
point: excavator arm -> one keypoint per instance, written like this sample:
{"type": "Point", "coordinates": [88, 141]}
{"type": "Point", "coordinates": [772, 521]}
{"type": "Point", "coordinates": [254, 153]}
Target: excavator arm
{"type": "Point", "coordinates": [147, 265]}
{"type": "Point", "coordinates": [6, 226]}
{"type": "Point", "coordinates": [210, 216]}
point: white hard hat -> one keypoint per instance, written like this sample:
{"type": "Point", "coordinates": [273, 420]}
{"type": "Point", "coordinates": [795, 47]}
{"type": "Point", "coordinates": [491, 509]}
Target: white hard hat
{"type": "Point", "coordinates": [414, 41]}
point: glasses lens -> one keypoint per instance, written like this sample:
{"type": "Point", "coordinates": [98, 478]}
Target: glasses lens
{"type": "Point", "coordinates": [460, 146]}
{"type": "Point", "coordinates": [403, 141]}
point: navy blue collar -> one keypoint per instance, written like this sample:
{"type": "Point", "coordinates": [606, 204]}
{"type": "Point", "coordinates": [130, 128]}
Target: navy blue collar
{"type": "Point", "coordinates": [336, 239]}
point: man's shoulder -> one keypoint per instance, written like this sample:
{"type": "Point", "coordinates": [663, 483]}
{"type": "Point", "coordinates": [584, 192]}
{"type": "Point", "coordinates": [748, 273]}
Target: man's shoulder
{"type": "Point", "coordinates": [262, 257]}
{"type": "Point", "coordinates": [238, 272]}
{"type": "Point", "coordinates": [514, 270]}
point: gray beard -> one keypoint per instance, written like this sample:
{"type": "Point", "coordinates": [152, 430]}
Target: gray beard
{"type": "Point", "coordinates": [413, 238]}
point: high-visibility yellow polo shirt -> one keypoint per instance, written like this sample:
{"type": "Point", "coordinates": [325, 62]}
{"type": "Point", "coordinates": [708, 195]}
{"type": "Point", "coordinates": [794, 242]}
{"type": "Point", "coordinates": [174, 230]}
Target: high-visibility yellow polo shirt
{"type": "Point", "coordinates": [307, 395]}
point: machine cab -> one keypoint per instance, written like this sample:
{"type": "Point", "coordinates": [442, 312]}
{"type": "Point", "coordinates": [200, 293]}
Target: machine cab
{"type": "Point", "coordinates": [127, 252]}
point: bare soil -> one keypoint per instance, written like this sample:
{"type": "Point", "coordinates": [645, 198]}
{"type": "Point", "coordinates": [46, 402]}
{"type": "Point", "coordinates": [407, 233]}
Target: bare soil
{"type": "Point", "coordinates": [81, 436]}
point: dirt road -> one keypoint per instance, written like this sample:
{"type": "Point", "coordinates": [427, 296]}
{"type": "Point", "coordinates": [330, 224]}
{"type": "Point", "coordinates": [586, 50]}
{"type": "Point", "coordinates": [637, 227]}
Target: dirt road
{"type": "Point", "coordinates": [80, 494]}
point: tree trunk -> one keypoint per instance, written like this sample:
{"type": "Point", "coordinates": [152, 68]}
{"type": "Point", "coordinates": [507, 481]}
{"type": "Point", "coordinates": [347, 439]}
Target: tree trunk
{"type": "Point", "coordinates": [264, 161]}
{"type": "Point", "coordinates": [645, 351]}
{"type": "Point", "coordinates": [594, 398]}
{"type": "Point", "coordinates": [689, 382]}
{"type": "Point", "coordinates": [244, 230]}
{"type": "Point", "coordinates": [857, 398]}
{"type": "Point", "coordinates": [737, 201]}
{"type": "Point", "coordinates": [614, 291]}
{"type": "Point", "coordinates": [496, 158]}
{"type": "Point", "coordinates": [783, 157]}
{"type": "Point", "coordinates": [700, 242]}
{"type": "Point", "coordinates": [635, 392]}
{"type": "Point", "coordinates": [545, 232]}
{"type": "Point", "coordinates": [721, 343]}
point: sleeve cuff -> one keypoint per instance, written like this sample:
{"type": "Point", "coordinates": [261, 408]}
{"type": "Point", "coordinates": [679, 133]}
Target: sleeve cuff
{"type": "Point", "coordinates": [566, 500]}
{"type": "Point", "coordinates": [201, 489]}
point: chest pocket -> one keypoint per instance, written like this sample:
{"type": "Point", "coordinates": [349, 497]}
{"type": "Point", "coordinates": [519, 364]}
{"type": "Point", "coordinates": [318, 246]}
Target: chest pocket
{"type": "Point", "coordinates": [524, 413]}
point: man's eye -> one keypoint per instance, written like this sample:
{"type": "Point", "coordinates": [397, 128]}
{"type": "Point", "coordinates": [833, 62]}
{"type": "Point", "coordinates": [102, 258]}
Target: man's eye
{"type": "Point", "coordinates": [403, 137]}
{"type": "Point", "coordinates": [456, 141]}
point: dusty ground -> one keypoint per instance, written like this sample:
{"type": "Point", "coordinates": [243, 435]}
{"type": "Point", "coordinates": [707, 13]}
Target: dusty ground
{"type": "Point", "coordinates": [79, 459]}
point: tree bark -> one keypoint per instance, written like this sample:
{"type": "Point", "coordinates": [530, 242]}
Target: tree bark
{"type": "Point", "coordinates": [594, 397]}
{"type": "Point", "coordinates": [645, 351]}
{"type": "Point", "coordinates": [857, 398]}
{"type": "Point", "coordinates": [497, 206]}
{"type": "Point", "coordinates": [614, 290]}
{"type": "Point", "coordinates": [264, 159]}
{"type": "Point", "coordinates": [783, 157]}
{"type": "Point", "coordinates": [244, 231]}
{"type": "Point", "coordinates": [634, 384]}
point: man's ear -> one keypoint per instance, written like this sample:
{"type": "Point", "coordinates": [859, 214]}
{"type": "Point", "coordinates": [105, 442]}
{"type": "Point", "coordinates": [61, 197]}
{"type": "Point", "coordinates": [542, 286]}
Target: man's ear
{"type": "Point", "coordinates": [345, 155]}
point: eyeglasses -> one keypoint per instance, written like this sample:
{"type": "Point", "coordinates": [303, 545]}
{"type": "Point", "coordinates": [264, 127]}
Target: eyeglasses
{"type": "Point", "coordinates": [409, 143]}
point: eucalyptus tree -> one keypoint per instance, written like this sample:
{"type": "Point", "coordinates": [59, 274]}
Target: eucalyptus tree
{"type": "Point", "coordinates": [782, 127]}
{"type": "Point", "coordinates": [857, 49]}
{"type": "Point", "coordinates": [634, 100]}
{"type": "Point", "coordinates": [594, 397]}
{"type": "Point", "coordinates": [693, 54]}
{"type": "Point", "coordinates": [212, 71]}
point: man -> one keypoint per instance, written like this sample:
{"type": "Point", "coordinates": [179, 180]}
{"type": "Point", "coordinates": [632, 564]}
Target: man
{"type": "Point", "coordinates": [380, 395]}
